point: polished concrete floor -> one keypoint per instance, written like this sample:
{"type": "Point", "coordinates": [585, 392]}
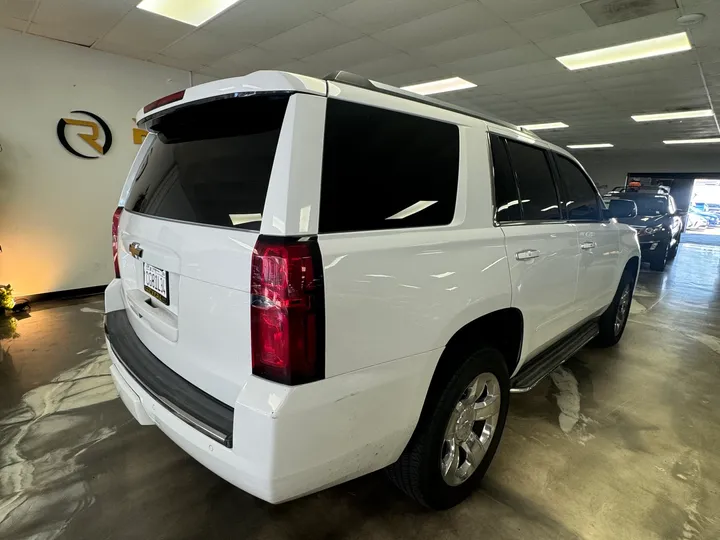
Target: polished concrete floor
{"type": "Point", "coordinates": [617, 444]}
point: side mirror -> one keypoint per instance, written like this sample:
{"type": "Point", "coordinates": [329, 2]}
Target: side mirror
{"type": "Point", "coordinates": [622, 208]}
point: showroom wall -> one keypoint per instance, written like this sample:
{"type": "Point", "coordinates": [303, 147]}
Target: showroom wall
{"type": "Point", "coordinates": [56, 208]}
{"type": "Point", "coordinates": [609, 168]}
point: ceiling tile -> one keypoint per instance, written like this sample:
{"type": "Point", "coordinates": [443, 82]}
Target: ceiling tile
{"type": "Point", "coordinates": [12, 23]}
{"type": "Point", "coordinates": [16, 9]}
{"type": "Point", "coordinates": [377, 69]}
{"type": "Point", "coordinates": [372, 16]}
{"type": "Point", "coordinates": [607, 36]}
{"type": "Point", "coordinates": [472, 45]}
{"type": "Point", "coordinates": [312, 37]}
{"type": "Point", "coordinates": [63, 33]}
{"type": "Point", "coordinates": [604, 12]}
{"type": "Point", "coordinates": [253, 21]}
{"type": "Point", "coordinates": [141, 34]}
{"type": "Point", "coordinates": [361, 50]}
{"type": "Point", "coordinates": [516, 56]}
{"type": "Point", "coordinates": [322, 6]}
{"type": "Point", "coordinates": [460, 20]}
{"type": "Point", "coordinates": [252, 59]}
{"type": "Point", "coordinates": [302, 68]}
{"type": "Point", "coordinates": [515, 10]}
{"type": "Point", "coordinates": [204, 46]}
{"type": "Point", "coordinates": [565, 21]}
{"type": "Point", "coordinates": [79, 21]}
{"type": "Point", "coordinates": [186, 64]}
{"type": "Point", "coordinates": [429, 73]}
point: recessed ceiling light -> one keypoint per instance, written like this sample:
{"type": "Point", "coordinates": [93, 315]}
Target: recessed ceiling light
{"type": "Point", "coordinates": [629, 51]}
{"type": "Point", "coordinates": [584, 146]}
{"type": "Point", "coordinates": [672, 115]}
{"type": "Point", "coordinates": [549, 125]}
{"type": "Point", "coordinates": [693, 141]}
{"type": "Point", "coordinates": [193, 12]}
{"type": "Point", "coordinates": [437, 87]}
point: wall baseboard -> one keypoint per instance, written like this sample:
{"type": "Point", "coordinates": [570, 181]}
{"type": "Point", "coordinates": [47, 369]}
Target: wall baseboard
{"type": "Point", "coordinates": [65, 295]}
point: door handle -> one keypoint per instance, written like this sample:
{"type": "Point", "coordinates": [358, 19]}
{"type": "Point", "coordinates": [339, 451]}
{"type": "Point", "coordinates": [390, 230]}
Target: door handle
{"type": "Point", "coordinates": [527, 254]}
{"type": "Point", "coordinates": [588, 245]}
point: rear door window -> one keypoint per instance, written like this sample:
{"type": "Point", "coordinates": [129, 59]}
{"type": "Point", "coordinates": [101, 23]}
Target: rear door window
{"type": "Point", "coordinates": [211, 162]}
{"type": "Point", "coordinates": [384, 169]}
{"type": "Point", "coordinates": [507, 202]}
{"type": "Point", "coordinates": [536, 186]}
{"type": "Point", "coordinates": [582, 203]}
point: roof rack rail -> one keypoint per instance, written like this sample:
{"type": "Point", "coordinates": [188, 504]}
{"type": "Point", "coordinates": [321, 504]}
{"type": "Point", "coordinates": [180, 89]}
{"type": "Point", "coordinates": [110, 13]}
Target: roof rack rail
{"type": "Point", "coordinates": [352, 79]}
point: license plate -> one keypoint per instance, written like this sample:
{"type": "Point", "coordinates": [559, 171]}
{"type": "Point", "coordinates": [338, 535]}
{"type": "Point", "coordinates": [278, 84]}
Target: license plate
{"type": "Point", "coordinates": [155, 281]}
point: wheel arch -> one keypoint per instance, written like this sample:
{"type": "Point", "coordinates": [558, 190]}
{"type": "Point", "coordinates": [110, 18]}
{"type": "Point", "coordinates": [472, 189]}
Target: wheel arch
{"type": "Point", "coordinates": [501, 329]}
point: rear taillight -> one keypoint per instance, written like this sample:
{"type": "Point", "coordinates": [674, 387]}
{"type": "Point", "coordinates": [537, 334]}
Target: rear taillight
{"type": "Point", "coordinates": [172, 98]}
{"type": "Point", "coordinates": [115, 225]}
{"type": "Point", "coordinates": [287, 311]}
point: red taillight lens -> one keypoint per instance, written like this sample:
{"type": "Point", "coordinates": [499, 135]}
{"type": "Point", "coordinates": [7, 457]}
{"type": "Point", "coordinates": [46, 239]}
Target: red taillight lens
{"type": "Point", "coordinates": [177, 96]}
{"type": "Point", "coordinates": [115, 225]}
{"type": "Point", "coordinates": [287, 312]}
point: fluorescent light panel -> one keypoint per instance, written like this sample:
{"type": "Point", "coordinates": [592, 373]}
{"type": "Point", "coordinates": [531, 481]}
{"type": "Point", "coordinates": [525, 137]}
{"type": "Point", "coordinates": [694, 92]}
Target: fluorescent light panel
{"type": "Point", "coordinates": [438, 87]}
{"type": "Point", "coordinates": [693, 141]}
{"type": "Point", "coordinates": [647, 48]}
{"type": "Point", "coordinates": [702, 113]}
{"type": "Point", "coordinates": [193, 12]}
{"type": "Point", "coordinates": [549, 125]}
{"type": "Point", "coordinates": [583, 146]}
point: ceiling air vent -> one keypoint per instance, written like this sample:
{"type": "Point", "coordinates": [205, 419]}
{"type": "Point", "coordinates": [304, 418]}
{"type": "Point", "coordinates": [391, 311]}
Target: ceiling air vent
{"type": "Point", "coordinates": [604, 12]}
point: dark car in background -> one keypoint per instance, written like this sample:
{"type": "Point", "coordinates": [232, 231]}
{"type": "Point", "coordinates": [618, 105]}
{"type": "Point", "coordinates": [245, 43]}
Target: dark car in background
{"type": "Point", "coordinates": [658, 222]}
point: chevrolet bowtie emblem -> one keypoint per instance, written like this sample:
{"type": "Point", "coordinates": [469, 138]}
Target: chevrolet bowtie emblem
{"type": "Point", "coordinates": [135, 250]}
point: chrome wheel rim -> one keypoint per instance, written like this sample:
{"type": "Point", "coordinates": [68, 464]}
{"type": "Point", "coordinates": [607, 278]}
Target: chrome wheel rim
{"type": "Point", "coordinates": [470, 429]}
{"type": "Point", "coordinates": [622, 309]}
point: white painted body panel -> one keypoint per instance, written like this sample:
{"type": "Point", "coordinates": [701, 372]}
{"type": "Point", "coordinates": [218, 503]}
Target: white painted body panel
{"type": "Point", "coordinates": [393, 300]}
{"type": "Point", "coordinates": [544, 288]}
{"type": "Point", "coordinates": [290, 441]}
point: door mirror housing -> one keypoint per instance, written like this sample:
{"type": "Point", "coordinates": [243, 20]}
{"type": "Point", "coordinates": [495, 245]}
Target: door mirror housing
{"type": "Point", "coordinates": [622, 208]}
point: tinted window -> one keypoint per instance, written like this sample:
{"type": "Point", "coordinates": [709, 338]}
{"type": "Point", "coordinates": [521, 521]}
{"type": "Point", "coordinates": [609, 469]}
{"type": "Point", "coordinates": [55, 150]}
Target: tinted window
{"type": "Point", "coordinates": [648, 204]}
{"type": "Point", "coordinates": [386, 170]}
{"type": "Point", "coordinates": [211, 162]}
{"type": "Point", "coordinates": [535, 182]}
{"type": "Point", "coordinates": [582, 201]}
{"type": "Point", "coordinates": [507, 205]}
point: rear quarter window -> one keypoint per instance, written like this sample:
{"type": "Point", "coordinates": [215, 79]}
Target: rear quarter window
{"type": "Point", "coordinates": [210, 163]}
{"type": "Point", "coordinates": [386, 170]}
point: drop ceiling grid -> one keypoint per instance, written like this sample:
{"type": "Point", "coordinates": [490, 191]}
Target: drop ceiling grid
{"type": "Point", "coordinates": [507, 47]}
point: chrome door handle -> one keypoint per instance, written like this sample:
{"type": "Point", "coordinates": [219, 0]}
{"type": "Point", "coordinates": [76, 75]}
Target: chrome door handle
{"type": "Point", "coordinates": [527, 254]}
{"type": "Point", "coordinates": [588, 245]}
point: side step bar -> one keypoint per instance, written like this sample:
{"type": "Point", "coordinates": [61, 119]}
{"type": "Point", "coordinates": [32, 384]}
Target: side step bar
{"type": "Point", "coordinates": [547, 361]}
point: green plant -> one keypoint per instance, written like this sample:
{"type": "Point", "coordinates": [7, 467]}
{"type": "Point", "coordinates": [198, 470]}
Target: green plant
{"type": "Point", "coordinates": [6, 297]}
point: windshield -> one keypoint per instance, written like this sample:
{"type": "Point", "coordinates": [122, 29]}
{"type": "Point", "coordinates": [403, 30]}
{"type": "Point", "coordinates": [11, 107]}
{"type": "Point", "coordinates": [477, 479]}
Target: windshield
{"type": "Point", "coordinates": [649, 205]}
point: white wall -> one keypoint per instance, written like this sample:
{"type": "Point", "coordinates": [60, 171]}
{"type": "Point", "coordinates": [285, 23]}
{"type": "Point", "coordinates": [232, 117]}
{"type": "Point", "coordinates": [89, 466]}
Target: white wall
{"type": "Point", "coordinates": [609, 168]}
{"type": "Point", "coordinates": [55, 208]}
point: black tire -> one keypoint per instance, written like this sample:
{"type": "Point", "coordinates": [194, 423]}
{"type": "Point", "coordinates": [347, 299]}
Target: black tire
{"type": "Point", "coordinates": [609, 335]}
{"type": "Point", "coordinates": [674, 250]}
{"type": "Point", "coordinates": [417, 472]}
{"type": "Point", "coordinates": [660, 257]}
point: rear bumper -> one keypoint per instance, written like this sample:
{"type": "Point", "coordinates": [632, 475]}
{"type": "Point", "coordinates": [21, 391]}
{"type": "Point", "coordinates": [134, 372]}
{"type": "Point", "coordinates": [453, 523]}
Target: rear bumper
{"type": "Point", "coordinates": [291, 441]}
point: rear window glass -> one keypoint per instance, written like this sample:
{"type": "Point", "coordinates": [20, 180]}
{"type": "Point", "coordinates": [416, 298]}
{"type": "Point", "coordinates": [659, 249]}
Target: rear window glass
{"type": "Point", "coordinates": [211, 162]}
{"type": "Point", "coordinates": [386, 170]}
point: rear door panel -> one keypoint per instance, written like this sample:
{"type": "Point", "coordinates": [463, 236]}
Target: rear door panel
{"type": "Point", "coordinates": [203, 335]}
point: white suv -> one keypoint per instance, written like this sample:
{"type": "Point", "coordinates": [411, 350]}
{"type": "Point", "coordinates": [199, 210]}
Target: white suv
{"type": "Point", "coordinates": [317, 279]}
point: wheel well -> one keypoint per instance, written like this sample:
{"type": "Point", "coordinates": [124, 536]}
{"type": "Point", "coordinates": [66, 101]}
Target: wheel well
{"type": "Point", "coordinates": [633, 264]}
{"type": "Point", "coordinates": [501, 329]}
